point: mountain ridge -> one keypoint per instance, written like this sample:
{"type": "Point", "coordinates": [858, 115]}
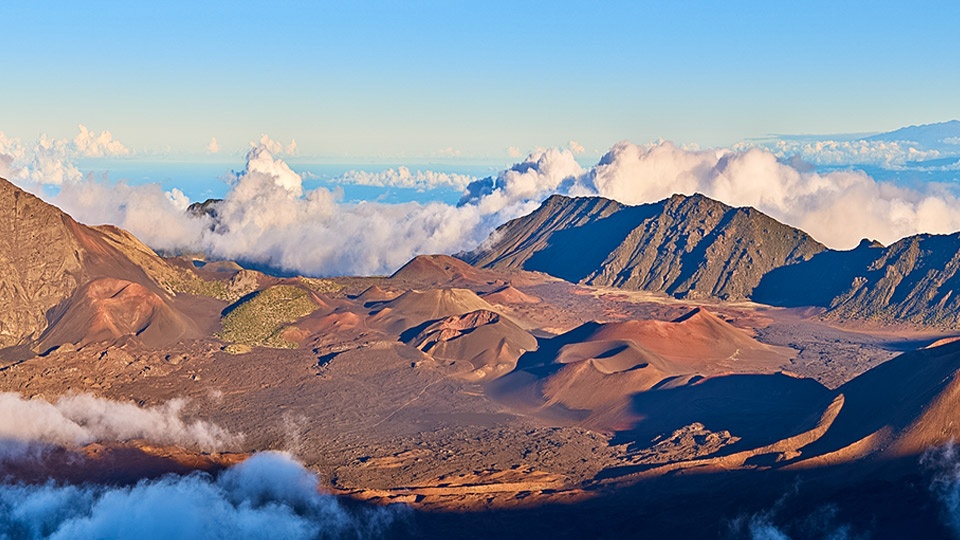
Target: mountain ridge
{"type": "Point", "coordinates": [684, 246]}
{"type": "Point", "coordinates": [697, 247]}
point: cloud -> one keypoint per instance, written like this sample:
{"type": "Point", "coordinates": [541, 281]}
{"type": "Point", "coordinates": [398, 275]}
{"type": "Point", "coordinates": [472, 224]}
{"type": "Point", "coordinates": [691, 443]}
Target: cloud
{"type": "Point", "coordinates": [53, 161]}
{"type": "Point", "coordinates": [402, 177]}
{"type": "Point", "coordinates": [91, 144]}
{"type": "Point", "coordinates": [270, 491]}
{"type": "Point", "coordinates": [81, 419]}
{"type": "Point", "coordinates": [837, 208]}
{"type": "Point", "coordinates": [888, 154]}
{"type": "Point", "coordinates": [756, 527]}
{"type": "Point", "coordinates": [48, 161]}
{"type": "Point", "coordinates": [137, 209]}
{"type": "Point", "coordinates": [944, 462]}
{"type": "Point", "coordinates": [514, 152]}
{"type": "Point", "coordinates": [449, 152]}
{"type": "Point", "coordinates": [576, 147]}
{"type": "Point", "coordinates": [214, 146]}
{"type": "Point", "coordinates": [263, 170]}
{"type": "Point", "coordinates": [269, 218]}
{"type": "Point", "coordinates": [770, 525]}
{"type": "Point", "coordinates": [275, 148]}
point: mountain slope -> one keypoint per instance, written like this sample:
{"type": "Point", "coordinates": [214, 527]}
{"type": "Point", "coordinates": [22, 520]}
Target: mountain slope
{"type": "Point", "coordinates": [916, 279]}
{"type": "Point", "coordinates": [46, 257]}
{"type": "Point", "coordinates": [489, 341]}
{"type": "Point", "coordinates": [695, 247]}
{"type": "Point", "coordinates": [683, 246]}
{"type": "Point", "coordinates": [40, 263]}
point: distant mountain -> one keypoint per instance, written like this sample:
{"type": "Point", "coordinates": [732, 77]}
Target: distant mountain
{"type": "Point", "coordinates": [930, 136]}
{"type": "Point", "coordinates": [697, 247]}
{"type": "Point", "coordinates": [683, 246]}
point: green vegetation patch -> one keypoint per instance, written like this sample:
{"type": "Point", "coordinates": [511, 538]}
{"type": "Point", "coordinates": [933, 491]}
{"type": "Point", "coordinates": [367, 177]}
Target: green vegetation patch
{"type": "Point", "coordinates": [198, 286]}
{"type": "Point", "coordinates": [259, 320]}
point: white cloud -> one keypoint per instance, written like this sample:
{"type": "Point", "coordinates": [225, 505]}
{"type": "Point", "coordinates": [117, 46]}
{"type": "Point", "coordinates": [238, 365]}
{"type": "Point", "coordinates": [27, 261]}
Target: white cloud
{"type": "Point", "coordinates": [276, 148]}
{"type": "Point", "coordinates": [214, 146]}
{"type": "Point", "coordinates": [514, 152]}
{"type": "Point", "coordinates": [53, 161]}
{"type": "Point", "coordinates": [837, 208]}
{"type": "Point", "coordinates": [402, 177]}
{"type": "Point", "coordinates": [262, 168]}
{"type": "Point", "coordinates": [270, 491]}
{"type": "Point", "coordinates": [944, 462]}
{"type": "Point", "coordinates": [91, 144]}
{"type": "Point", "coordinates": [887, 154]}
{"type": "Point", "coordinates": [135, 208]}
{"type": "Point", "coordinates": [268, 217]}
{"type": "Point", "coordinates": [82, 419]}
{"type": "Point", "coordinates": [576, 147]}
{"type": "Point", "coordinates": [449, 152]}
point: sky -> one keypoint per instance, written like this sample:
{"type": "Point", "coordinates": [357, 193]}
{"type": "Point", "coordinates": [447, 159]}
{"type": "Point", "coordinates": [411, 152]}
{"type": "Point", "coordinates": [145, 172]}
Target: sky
{"type": "Point", "coordinates": [372, 132]}
{"type": "Point", "coordinates": [471, 81]}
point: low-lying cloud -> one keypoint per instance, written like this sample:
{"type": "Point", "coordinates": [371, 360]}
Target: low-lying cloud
{"type": "Point", "coordinates": [838, 208]}
{"type": "Point", "coordinates": [403, 177]}
{"type": "Point", "coordinates": [269, 218]}
{"type": "Point", "coordinates": [82, 418]}
{"type": "Point", "coordinates": [770, 524]}
{"type": "Point", "coordinates": [944, 462]}
{"type": "Point", "coordinates": [889, 154]}
{"type": "Point", "coordinates": [268, 494]}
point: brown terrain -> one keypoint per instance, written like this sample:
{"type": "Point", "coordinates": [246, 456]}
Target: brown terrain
{"type": "Point", "coordinates": [635, 387]}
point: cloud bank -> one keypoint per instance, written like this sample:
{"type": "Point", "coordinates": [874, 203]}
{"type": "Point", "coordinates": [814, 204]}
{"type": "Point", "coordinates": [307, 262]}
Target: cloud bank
{"type": "Point", "coordinates": [888, 154]}
{"type": "Point", "coordinates": [53, 161]}
{"type": "Point", "coordinates": [270, 491]}
{"type": "Point", "coordinates": [269, 218]}
{"type": "Point", "coordinates": [402, 177]}
{"type": "Point", "coordinates": [81, 419]}
{"type": "Point", "coordinates": [91, 144]}
{"type": "Point", "coordinates": [838, 208]}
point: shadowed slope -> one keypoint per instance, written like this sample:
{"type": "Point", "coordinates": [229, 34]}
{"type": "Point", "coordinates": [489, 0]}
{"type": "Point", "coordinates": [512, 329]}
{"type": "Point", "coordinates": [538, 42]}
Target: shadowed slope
{"type": "Point", "coordinates": [906, 404]}
{"type": "Point", "coordinates": [598, 367]}
{"type": "Point", "coordinates": [490, 342]}
{"type": "Point", "coordinates": [683, 246]}
{"type": "Point", "coordinates": [105, 310]}
{"type": "Point", "coordinates": [414, 308]}
{"type": "Point", "coordinates": [916, 279]}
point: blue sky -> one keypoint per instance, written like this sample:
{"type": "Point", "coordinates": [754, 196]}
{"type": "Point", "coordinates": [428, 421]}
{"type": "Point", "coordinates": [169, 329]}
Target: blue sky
{"type": "Point", "coordinates": [433, 80]}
